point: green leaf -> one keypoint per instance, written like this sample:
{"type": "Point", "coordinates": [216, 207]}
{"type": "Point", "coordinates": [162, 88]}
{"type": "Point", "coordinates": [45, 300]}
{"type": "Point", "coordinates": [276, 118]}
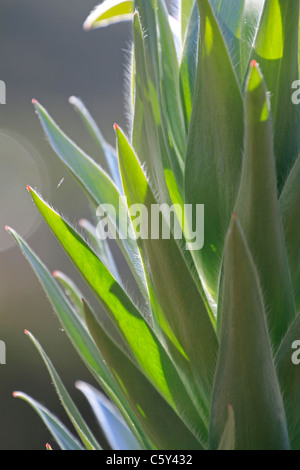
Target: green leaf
{"type": "Point", "coordinates": [250, 25]}
{"type": "Point", "coordinates": [100, 188]}
{"type": "Point", "coordinates": [228, 438]}
{"type": "Point", "coordinates": [110, 162]}
{"type": "Point", "coordinates": [101, 247]}
{"type": "Point", "coordinates": [76, 331]}
{"type": "Point", "coordinates": [172, 118]}
{"type": "Point", "coordinates": [228, 14]}
{"type": "Point", "coordinates": [147, 135]}
{"type": "Point", "coordinates": [289, 204]}
{"type": "Point", "coordinates": [125, 316]}
{"type": "Point", "coordinates": [288, 371]}
{"type": "Point", "coordinates": [259, 212]}
{"type": "Point", "coordinates": [162, 424]}
{"type": "Point", "coordinates": [186, 7]}
{"type": "Point", "coordinates": [188, 64]}
{"type": "Point", "coordinates": [63, 437]}
{"type": "Point", "coordinates": [214, 149]}
{"type": "Point", "coordinates": [180, 314]}
{"type": "Point", "coordinates": [78, 422]}
{"type": "Point", "coordinates": [239, 21]}
{"type": "Point", "coordinates": [72, 292]}
{"type": "Point", "coordinates": [115, 429]}
{"type": "Point", "coordinates": [109, 12]}
{"type": "Point", "coordinates": [276, 50]}
{"type": "Point", "coordinates": [242, 378]}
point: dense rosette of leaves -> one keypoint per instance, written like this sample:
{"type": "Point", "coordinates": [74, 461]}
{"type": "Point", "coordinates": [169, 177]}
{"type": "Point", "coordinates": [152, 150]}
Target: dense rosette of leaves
{"type": "Point", "coordinates": [203, 360]}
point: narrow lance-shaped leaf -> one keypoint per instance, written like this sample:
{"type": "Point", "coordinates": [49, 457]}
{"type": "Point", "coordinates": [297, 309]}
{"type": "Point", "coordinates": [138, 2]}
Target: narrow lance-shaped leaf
{"type": "Point", "coordinates": [239, 21]}
{"type": "Point", "coordinates": [214, 150]}
{"type": "Point", "coordinates": [63, 437]}
{"type": "Point", "coordinates": [115, 429]}
{"type": "Point", "coordinates": [160, 147]}
{"type": "Point", "coordinates": [229, 17]}
{"type": "Point", "coordinates": [101, 247]}
{"type": "Point", "coordinates": [186, 7]}
{"type": "Point", "coordinates": [99, 187]}
{"type": "Point", "coordinates": [109, 12]}
{"type": "Point", "coordinates": [289, 205]}
{"type": "Point", "coordinates": [163, 426]}
{"type": "Point", "coordinates": [258, 209]}
{"type": "Point", "coordinates": [172, 118]}
{"type": "Point", "coordinates": [188, 64]}
{"type": "Point", "coordinates": [71, 409]}
{"type": "Point", "coordinates": [147, 136]}
{"type": "Point", "coordinates": [179, 310]}
{"type": "Point", "coordinates": [288, 371]}
{"type": "Point", "coordinates": [242, 378]}
{"type": "Point", "coordinates": [276, 50]}
{"type": "Point", "coordinates": [76, 331]}
{"type": "Point", "coordinates": [250, 26]}
{"type": "Point", "coordinates": [128, 321]}
{"type": "Point", "coordinates": [110, 159]}
{"type": "Point", "coordinates": [72, 292]}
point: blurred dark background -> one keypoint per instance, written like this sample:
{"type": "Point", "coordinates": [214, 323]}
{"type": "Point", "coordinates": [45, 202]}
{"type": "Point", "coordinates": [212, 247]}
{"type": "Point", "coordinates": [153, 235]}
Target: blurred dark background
{"type": "Point", "coordinates": [45, 54]}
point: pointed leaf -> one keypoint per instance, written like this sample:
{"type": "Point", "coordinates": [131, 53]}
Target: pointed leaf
{"type": "Point", "coordinates": [101, 247]}
{"type": "Point", "coordinates": [162, 424]}
{"type": "Point", "coordinates": [76, 331]}
{"type": "Point", "coordinates": [258, 210]}
{"type": "Point", "coordinates": [72, 292]}
{"type": "Point", "coordinates": [188, 64]}
{"type": "Point", "coordinates": [179, 310]}
{"type": "Point", "coordinates": [147, 135]}
{"type": "Point", "coordinates": [242, 378]}
{"type": "Point", "coordinates": [109, 12]}
{"type": "Point", "coordinates": [115, 429]}
{"type": "Point", "coordinates": [78, 422]}
{"type": "Point", "coordinates": [214, 150]}
{"type": "Point", "coordinates": [186, 7]}
{"type": "Point", "coordinates": [171, 111]}
{"type": "Point", "coordinates": [276, 50]}
{"type": "Point", "coordinates": [99, 187]}
{"type": "Point", "coordinates": [63, 437]}
{"type": "Point", "coordinates": [125, 316]}
{"type": "Point", "coordinates": [111, 162]}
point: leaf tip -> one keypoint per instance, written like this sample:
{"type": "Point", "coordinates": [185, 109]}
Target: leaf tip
{"type": "Point", "coordinates": [26, 332]}
{"type": "Point", "coordinates": [87, 25]}
{"type": "Point", "coordinates": [29, 188]}
{"type": "Point", "coordinates": [253, 63]}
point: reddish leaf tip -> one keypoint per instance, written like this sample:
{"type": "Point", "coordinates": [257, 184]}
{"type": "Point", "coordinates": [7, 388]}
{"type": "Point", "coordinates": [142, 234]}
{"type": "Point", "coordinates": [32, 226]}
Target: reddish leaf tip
{"type": "Point", "coordinates": [6, 228]}
{"type": "Point", "coordinates": [253, 63]}
{"type": "Point", "coordinates": [116, 127]}
{"type": "Point", "coordinates": [26, 332]}
{"type": "Point", "coordinates": [48, 447]}
{"type": "Point", "coordinates": [55, 273]}
{"type": "Point", "coordinates": [14, 394]}
{"type": "Point", "coordinates": [29, 188]}
{"type": "Point", "coordinates": [34, 101]}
